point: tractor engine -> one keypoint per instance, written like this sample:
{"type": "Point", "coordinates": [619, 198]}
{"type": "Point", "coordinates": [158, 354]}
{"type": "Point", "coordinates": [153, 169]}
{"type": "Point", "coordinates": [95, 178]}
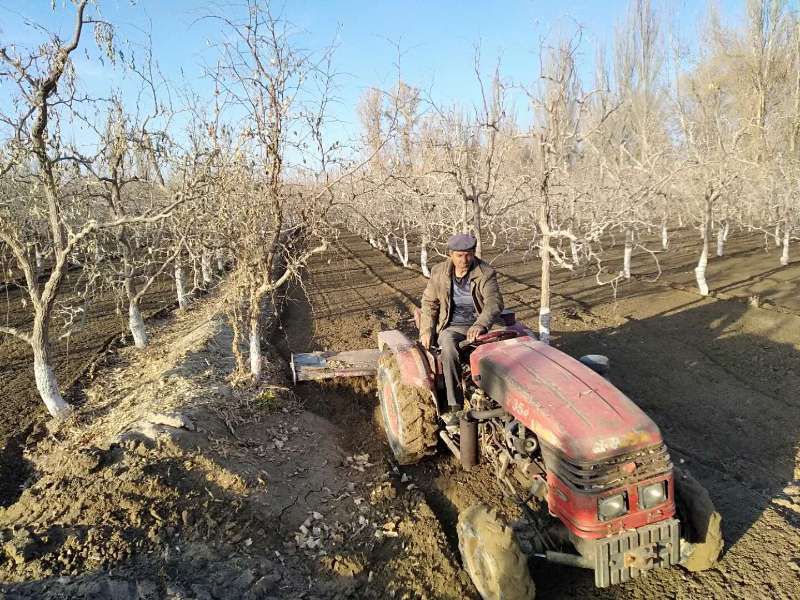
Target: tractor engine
{"type": "Point", "coordinates": [564, 434]}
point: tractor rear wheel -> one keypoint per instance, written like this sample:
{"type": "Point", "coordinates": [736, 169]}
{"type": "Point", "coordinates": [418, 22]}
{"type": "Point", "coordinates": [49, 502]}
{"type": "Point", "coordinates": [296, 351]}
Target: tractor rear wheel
{"type": "Point", "coordinates": [409, 415]}
{"type": "Point", "coordinates": [492, 557]}
{"type": "Point", "coordinates": [701, 524]}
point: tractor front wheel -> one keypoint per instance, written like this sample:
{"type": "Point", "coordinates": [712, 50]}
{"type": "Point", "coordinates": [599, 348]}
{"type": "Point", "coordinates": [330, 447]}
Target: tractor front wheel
{"type": "Point", "coordinates": [701, 524]}
{"type": "Point", "coordinates": [409, 414]}
{"type": "Point", "coordinates": [492, 556]}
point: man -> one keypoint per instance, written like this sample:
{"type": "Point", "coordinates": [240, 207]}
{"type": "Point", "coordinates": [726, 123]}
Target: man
{"type": "Point", "coordinates": [461, 302]}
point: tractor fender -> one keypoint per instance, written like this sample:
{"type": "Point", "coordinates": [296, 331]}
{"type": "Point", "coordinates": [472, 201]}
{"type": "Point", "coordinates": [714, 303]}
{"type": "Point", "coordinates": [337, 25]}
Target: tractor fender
{"type": "Point", "coordinates": [411, 362]}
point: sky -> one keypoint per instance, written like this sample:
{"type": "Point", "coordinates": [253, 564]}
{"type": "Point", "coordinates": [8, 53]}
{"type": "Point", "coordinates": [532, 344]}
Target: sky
{"type": "Point", "coordinates": [436, 39]}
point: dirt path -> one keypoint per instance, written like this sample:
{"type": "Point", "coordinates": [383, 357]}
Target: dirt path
{"type": "Point", "coordinates": [719, 377]}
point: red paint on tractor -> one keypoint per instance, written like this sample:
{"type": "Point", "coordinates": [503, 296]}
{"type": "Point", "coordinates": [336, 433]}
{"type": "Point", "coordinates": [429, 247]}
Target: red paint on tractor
{"type": "Point", "coordinates": [566, 404]}
{"type": "Point", "coordinates": [578, 510]}
{"type": "Point", "coordinates": [411, 362]}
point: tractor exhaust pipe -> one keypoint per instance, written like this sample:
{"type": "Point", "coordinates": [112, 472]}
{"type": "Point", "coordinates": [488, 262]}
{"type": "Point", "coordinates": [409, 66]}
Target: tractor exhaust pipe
{"type": "Point", "coordinates": [468, 450]}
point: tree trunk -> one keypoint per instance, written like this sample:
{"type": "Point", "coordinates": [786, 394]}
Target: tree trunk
{"type": "Point", "coordinates": [664, 236]}
{"type": "Point", "coordinates": [476, 227]}
{"type": "Point", "coordinates": [573, 247]}
{"type": "Point", "coordinates": [423, 257]}
{"type": "Point", "coordinates": [46, 382]}
{"type": "Point", "coordinates": [721, 240]}
{"type": "Point", "coordinates": [626, 261]}
{"type": "Point", "coordinates": [372, 241]}
{"type": "Point", "coordinates": [700, 270]}
{"type": "Point", "coordinates": [787, 231]}
{"type": "Point", "coordinates": [205, 267]}
{"type": "Point", "coordinates": [255, 344]}
{"type": "Point", "coordinates": [544, 253]}
{"type": "Point", "coordinates": [180, 285]}
{"type": "Point", "coordinates": [136, 325]}
{"type": "Point", "coordinates": [220, 261]}
{"type": "Point", "coordinates": [778, 234]}
{"type": "Point", "coordinates": [544, 299]}
{"type": "Point", "coordinates": [38, 259]}
{"type": "Point", "coordinates": [389, 249]}
{"type": "Point", "coordinates": [402, 255]}
{"type": "Point", "coordinates": [195, 275]}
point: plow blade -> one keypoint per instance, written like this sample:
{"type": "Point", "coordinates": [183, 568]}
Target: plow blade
{"type": "Point", "coordinates": [330, 365]}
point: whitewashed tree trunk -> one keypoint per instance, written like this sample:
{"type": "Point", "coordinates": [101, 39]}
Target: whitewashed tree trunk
{"type": "Point", "coordinates": [195, 275]}
{"type": "Point", "coordinates": [423, 257]}
{"type": "Point", "coordinates": [402, 255]}
{"type": "Point", "coordinates": [38, 259]}
{"type": "Point", "coordinates": [787, 231]}
{"type": "Point", "coordinates": [544, 253]}
{"type": "Point", "coordinates": [721, 240]}
{"type": "Point", "coordinates": [664, 236]}
{"type": "Point", "coordinates": [477, 227]}
{"type": "Point", "coordinates": [626, 264]}
{"type": "Point", "coordinates": [725, 231]}
{"type": "Point", "coordinates": [778, 234]}
{"type": "Point", "coordinates": [205, 268]}
{"type": "Point", "coordinates": [47, 386]}
{"type": "Point", "coordinates": [180, 285]}
{"type": "Point", "coordinates": [220, 262]}
{"type": "Point", "coordinates": [372, 241]}
{"type": "Point", "coordinates": [700, 270]}
{"type": "Point", "coordinates": [255, 348]}
{"type": "Point", "coordinates": [576, 259]}
{"type": "Point", "coordinates": [389, 249]}
{"type": "Point", "coordinates": [46, 382]}
{"type": "Point", "coordinates": [136, 325]}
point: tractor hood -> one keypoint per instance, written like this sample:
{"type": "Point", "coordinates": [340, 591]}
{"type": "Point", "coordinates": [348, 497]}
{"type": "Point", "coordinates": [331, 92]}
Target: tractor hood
{"type": "Point", "coordinates": [568, 406]}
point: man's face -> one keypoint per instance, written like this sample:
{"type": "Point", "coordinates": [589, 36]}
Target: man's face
{"type": "Point", "coordinates": [462, 259]}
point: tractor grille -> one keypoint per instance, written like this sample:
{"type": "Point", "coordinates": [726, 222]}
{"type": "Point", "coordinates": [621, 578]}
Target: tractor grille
{"type": "Point", "coordinates": [613, 472]}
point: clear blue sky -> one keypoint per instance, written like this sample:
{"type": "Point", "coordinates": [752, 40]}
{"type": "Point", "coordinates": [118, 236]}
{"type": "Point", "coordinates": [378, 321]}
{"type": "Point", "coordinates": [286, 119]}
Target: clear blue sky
{"type": "Point", "coordinates": [437, 37]}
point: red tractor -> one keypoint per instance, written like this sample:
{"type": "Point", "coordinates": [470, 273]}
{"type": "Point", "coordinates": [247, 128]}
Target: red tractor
{"type": "Point", "coordinates": [588, 468]}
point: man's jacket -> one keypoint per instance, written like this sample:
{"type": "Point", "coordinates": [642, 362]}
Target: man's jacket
{"type": "Point", "coordinates": [436, 300]}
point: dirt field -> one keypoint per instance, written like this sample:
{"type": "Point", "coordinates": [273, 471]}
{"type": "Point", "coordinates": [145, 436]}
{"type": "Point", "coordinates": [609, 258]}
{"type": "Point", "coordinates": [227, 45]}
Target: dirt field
{"type": "Point", "coordinates": [169, 483]}
{"type": "Point", "coordinates": [718, 376]}
{"type": "Point", "coordinates": [21, 408]}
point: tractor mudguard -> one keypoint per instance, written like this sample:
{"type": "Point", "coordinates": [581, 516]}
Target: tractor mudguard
{"type": "Point", "coordinates": [411, 362]}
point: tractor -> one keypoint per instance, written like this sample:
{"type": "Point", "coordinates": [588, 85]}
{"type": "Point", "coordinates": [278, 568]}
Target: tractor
{"type": "Point", "coordinates": [589, 470]}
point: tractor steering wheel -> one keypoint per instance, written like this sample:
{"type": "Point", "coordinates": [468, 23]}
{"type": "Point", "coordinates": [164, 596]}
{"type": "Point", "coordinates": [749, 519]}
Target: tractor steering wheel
{"type": "Point", "coordinates": [488, 338]}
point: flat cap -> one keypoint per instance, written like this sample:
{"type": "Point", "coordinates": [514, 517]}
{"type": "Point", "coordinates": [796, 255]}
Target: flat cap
{"type": "Point", "coordinates": [462, 242]}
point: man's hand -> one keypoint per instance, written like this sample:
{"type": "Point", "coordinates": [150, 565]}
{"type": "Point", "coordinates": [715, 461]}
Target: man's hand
{"type": "Point", "coordinates": [474, 331]}
{"type": "Point", "coordinates": [425, 340]}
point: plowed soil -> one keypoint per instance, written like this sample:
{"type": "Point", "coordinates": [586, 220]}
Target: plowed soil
{"type": "Point", "coordinates": [292, 493]}
{"type": "Point", "coordinates": [719, 376]}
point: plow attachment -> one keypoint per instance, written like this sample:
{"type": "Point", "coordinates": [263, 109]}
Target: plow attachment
{"type": "Point", "coordinates": [330, 365]}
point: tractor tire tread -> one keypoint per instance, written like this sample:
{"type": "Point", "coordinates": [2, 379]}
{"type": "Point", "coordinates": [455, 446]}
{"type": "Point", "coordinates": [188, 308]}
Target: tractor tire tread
{"type": "Point", "coordinates": [416, 414]}
{"type": "Point", "coordinates": [701, 522]}
{"type": "Point", "coordinates": [492, 557]}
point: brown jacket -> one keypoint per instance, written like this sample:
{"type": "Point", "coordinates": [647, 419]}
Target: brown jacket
{"type": "Point", "coordinates": [436, 298]}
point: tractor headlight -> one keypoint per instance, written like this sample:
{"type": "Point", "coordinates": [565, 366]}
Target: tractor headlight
{"type": "Point", "coordinates": [653, 494]}
{"type": "Point", "coordinates": [612, 507]}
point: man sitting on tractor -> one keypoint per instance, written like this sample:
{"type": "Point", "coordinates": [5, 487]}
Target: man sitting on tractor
{"type": "Point", "coordinates": [461, 301]}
